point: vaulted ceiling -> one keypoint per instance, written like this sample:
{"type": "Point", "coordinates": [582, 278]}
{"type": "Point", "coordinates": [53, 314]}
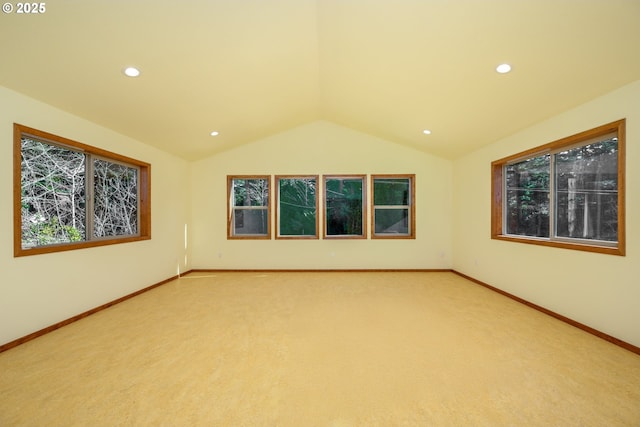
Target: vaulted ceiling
{"type": "Point", "coordinates": [252, 68]}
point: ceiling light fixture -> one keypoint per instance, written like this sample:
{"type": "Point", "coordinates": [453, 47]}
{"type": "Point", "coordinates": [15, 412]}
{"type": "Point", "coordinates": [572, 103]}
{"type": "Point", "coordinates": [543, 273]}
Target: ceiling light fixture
{"type": "Point", "coordinates": [426, 132]}
{"type": "Point", "coordinates": [214, 133]}
{"type": "Point", "coordinates": [503, 68]}
{"type": "Point", "coordinates": [131, 72]}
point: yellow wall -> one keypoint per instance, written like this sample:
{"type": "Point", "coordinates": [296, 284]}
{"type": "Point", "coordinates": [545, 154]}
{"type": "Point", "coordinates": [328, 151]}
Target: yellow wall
{"type": "Point", "coordinates": [38, 291]}
{"type": "Point", "coordinates": [321, 148]}
{"type": "Point", "coordinates": [601, 291]}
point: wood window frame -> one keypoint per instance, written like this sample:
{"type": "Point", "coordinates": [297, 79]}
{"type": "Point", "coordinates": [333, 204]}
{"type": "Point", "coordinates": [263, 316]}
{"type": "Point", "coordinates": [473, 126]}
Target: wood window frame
{"type": "Point", "coordinates": [144, 192]}
{"type": "Point", "coordinates": [412, 207]}
{"type": "Point", "coordinates": [497, 190]}
{"type": "Point", "coordinates": [363, 235]}
{"type": "Point", "coordinates": [277, 180]}
{"type": "Point", "coordinates": [230, 208]}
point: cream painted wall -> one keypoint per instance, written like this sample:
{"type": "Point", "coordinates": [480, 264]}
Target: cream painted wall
{"type": "Point", "coordinates": [321, 148]}
{"type": "Point", "coordinates": [41, 290]}
{"type": "Point", "coordinates": [601, 291]}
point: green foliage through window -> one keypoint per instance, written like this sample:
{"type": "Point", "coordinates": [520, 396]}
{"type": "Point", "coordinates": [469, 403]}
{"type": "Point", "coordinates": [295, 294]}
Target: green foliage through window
{"type": "Point", "coordinates": [393, 206]}
{"type": "Point", "coordinates": [344, 200]}
{"type": "Point", "coordinates": [249, 207]}
{"type": "Point", "coordinates": [583, 199]}
{"type": "Point", "coordinates": [528, 197]}
{"type": "Point", "coordinates": [587, 191]}
{"type": "Point", "coordinates": [53, 194]}
{"type": "Point", "coordinates": [297, 206]}
{"type": "Point", "coordinates": [568, 193]}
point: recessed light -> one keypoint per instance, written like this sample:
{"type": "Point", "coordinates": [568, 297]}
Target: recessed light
{"type": "Point", "coordinates": [214, 133]}
{"type": "Point", "coordinates": [426, 132]}
{"type": "Point", "coordinates": [503, 68]}
{"type": "Point", "coordinates": [131, 72]}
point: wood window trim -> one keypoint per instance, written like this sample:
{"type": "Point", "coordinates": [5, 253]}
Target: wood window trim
{"type": "Point", "coordinates": [230, 234]}
{"type": "Point", "coordinates": [364, 206]}
{"type": "Point", "coordinates": [412, 207]}
{"type": "Point", "coordinates": [277, 180]}
{"type": "Point", "coordinates": [144, 191]}
{"type": "Point", "coordinates": [497, 175]}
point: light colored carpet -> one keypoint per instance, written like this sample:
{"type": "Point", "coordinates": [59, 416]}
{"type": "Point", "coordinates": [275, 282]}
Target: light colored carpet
{"type": "Point", "coordinates": [319, 349]}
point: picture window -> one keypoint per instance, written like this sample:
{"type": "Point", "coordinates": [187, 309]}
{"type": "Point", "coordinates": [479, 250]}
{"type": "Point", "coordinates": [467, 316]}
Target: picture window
{"type": "Point", "coordinates": [68, 195]}
{"type": "Point", "coordinates": [569, 193]}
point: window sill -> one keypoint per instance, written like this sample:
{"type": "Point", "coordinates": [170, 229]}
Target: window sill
{"type": "Point", "coordinates": [609, 250]}
{"type": "Point", "coordinates": [38, 250]}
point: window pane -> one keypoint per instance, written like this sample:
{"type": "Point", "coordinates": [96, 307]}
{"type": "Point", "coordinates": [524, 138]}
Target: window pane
{"type": "Point", "coordinates": [297, 200]}
{"type": "Point", "coordinates": [393, 206]}
{"type": "Point", "coordinates": [344, 206]}
{"type": "Point", "coordinates": [391, 191]}
{"type": "Point", "coordinates": [250, 221]}
{"type": "Point", "coordinates": [52, 188]}
{"type": "Point", "coordinates": [527, 197]}
{"type": "Point", "coordinates": [251, 192]}
{"type": "Point", "coordinates": [115, 199]}
{"type": "Point", "coordinates": [392, 221]}
{"type": "Point", "coordinates": [249, 207]}
{"type": "Point", "coordinates": [587, 191]}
